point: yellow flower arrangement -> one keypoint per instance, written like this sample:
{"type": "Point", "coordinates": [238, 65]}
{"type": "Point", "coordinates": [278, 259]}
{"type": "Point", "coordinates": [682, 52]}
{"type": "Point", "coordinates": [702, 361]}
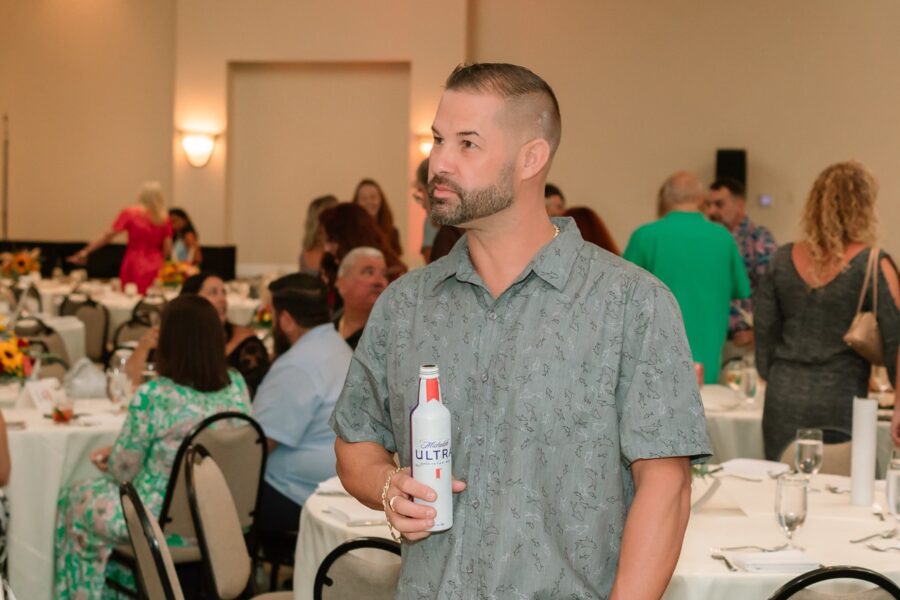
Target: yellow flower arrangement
{"type": "Point", "coordinates": [173, 274]}
{"type": "Point", "coordinates": [263, 316]}
{"type": "Point", "coordinates": [14, 362]}
{"type": "Point", "coordinates": [16, 264]}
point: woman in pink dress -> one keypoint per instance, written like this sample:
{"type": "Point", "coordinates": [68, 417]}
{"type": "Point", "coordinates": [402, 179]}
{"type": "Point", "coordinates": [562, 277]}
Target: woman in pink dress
{"type": "Point", "coordinates": [149, 238]}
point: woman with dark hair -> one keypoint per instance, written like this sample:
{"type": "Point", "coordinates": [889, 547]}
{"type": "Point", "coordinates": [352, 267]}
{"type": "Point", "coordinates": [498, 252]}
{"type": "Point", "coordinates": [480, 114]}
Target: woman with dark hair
{"type": "Point", "coordinates": [245, 352]}
{"type": "Point", "coordinates": [370, 197]}
{"type": "Point", "coordinates": [194, 383]}
{"type": "Point", "coordinates": [348, 226]}
{"type": "Point", "coordinates": [185, 244]}
{"type": "Point", "coordinates": [592, 228]}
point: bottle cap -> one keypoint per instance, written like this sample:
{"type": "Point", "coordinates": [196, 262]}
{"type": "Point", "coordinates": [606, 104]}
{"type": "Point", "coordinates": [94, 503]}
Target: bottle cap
{"type": "Point", "coordinates": [428, 371]}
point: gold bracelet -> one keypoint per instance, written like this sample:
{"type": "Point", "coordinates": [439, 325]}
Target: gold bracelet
{"type": "Point", "coordinates": [398, 537]}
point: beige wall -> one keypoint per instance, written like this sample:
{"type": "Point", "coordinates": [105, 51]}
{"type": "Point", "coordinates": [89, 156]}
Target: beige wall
{"type": "Point", "coordinates": [292, 31]}
{"type": "Point", "coordinates": [88, 88]}
{"type": "Point", "coordinates": [305, 130]}
{"type": "Point", "coordinates": [649, 87]}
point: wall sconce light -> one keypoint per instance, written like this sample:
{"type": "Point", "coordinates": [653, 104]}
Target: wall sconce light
{"type": "Point", "coordinates": [424, 141]}
{"type": "Point", "coordinates": [198, 147]}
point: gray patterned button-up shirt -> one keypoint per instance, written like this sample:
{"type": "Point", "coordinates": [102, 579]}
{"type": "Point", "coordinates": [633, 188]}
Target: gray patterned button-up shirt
{"type": "Point", "coordinates": [579, 368]}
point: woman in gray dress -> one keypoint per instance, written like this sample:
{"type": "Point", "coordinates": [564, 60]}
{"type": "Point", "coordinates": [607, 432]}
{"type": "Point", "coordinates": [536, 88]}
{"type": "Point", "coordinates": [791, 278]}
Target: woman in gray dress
{"type": "Point", "coordinates": [806, 301]}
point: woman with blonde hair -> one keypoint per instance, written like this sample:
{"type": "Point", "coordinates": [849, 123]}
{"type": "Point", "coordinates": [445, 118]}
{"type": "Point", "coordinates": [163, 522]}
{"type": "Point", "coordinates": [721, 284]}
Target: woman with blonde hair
{"type": "Point", "coordinates": [807, 300]}
{"type": "Point", "coordinates": [149, 238]}
{"type": "Point", "coordinates": [313, 246]}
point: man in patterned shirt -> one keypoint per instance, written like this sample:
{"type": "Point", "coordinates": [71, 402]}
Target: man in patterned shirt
{"type": "Point", "coordinates": [566, 371]}
{"type": "Point", "coordinates": [726, 204]}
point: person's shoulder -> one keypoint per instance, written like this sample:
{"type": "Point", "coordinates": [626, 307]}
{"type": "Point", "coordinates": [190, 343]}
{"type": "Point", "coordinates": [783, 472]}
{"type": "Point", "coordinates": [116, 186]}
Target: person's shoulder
{"type": "Point", "coordinates": [618, 271]}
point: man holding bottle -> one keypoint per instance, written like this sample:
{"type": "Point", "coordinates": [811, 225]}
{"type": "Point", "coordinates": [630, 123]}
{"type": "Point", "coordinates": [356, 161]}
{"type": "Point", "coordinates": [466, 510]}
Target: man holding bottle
{"type": "Point", "coordinates": [566, 371]}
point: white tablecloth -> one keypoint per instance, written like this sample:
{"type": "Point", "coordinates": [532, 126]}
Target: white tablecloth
{"type": "Point", "coordinates": [320, 533]}
{"type": "Point", "coordinates": [45, 457]}
{"type": "Point", "coordinates": [739, 513]}
{"type": "Point", "coordinates": [737, 433]}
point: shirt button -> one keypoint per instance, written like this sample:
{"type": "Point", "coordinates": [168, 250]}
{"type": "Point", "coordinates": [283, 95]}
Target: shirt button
{"type": "Point", "coordinates": [475, 504]}
{"type": "Point", "coordinates": [484, 377]}
{"type": "Point", "coordinates": [479, 439]}
{"type": "Point", "coordinates": [492, 316]}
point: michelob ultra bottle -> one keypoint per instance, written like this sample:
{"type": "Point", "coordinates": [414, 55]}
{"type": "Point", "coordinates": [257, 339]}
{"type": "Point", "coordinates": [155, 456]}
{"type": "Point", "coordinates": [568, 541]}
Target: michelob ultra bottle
{"type": "Point", "coordinates": [431, 456]}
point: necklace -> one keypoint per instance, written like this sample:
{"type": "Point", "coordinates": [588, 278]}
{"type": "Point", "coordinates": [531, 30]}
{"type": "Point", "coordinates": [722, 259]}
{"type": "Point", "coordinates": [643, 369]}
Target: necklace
{"type": "Point", "coordinates": [555, 231]}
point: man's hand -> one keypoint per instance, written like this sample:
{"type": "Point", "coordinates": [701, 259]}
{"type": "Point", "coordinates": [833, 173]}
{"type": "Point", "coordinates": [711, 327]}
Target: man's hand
{"type": "Point", "coordinates": [412, 520]}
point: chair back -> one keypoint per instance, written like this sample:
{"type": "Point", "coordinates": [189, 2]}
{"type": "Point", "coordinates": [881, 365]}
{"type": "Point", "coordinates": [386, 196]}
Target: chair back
{"type": "Point", "coordinates": [9, 296]}
{"type": "Point", "coordinates": [225, 557]}
{"type": "Point", "coordinates": [130, 333]}
{"type": "Point", "coordinates": [38, 333]}
{"type": "Point", "coordinates": [96, 323]}
{"type": "Point", "coordinates": [239, 450]}
{"type": "Point", "coordinates": [33, 304]}
{"type": "Point", "coordinates": [155, 568]}
{"type": "Point", "coordinates": [796, 588]}
{"type": "Point", "coordinates": [349, 576]}
{"type": "Point", "coordinates": [149, 310]}
{"type": "Point", "coordinates": [835, 454]}
{"type": "Point", "coordinates": [71, 303]}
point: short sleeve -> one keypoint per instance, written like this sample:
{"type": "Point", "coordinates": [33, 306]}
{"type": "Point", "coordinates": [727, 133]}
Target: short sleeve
{"type": "Point", "coordinates": [167, 228]}
{"type": "Point", "coordinates": [286, 404]}
{"type": "Point", "coordinates": [657, 399]}
{"type": "Point", "coordinates": [362, 412]}
{"type": "Point", "coordinates": [123, 221]}
{"type": "Point", "coordinates": [741, 283]}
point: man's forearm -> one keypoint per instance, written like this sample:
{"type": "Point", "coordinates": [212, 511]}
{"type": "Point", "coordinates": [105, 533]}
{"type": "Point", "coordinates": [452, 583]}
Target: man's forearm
{"type": "Point", "coordinates": [363, 468]}
{"type": "Point", "coordinates": [654, 531]}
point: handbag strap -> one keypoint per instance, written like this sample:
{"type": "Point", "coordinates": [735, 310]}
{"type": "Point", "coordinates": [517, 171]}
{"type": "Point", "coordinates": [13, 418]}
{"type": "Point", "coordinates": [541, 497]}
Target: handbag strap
{"type": "Point", "coordinates": [871, 272]}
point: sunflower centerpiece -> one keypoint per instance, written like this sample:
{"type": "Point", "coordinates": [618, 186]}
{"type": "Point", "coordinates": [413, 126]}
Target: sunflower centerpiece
{"type": "Point", "coordinates": [14, 265]}
{"type": "Point", "coordinates": [15, 363]}
{"type": "Point", "coordinates": [172, 274]}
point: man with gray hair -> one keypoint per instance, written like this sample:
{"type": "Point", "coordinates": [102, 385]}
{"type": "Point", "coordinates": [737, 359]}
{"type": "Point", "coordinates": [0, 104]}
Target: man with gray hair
{"type": "Point", "coordinates": [361, 278]}
{"type": "Point", "coordinates": [698, 260]}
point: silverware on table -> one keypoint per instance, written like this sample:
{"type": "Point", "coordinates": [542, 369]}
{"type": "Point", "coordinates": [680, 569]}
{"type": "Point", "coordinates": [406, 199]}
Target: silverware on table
{"type": "Point", "coordinates": [741, 477]}
{"type": "Point", "coordinates": [885, 549]}
{"type": "Point", "coordinates": [878, 511]}
{"type": "Point", "coordinates": [881, 534]}
{"type": "Point", "coordinates": [835, 489]}
{"type": "Point", "coordinates": [749, 547]}
{"type": "Point", "coordinates": [724, 559]}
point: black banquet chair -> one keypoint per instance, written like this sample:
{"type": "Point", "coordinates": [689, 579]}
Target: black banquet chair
{"type": "Point", "coordinates": [348, 576]}
{"type": "Point", "coordinates": [797, 588]}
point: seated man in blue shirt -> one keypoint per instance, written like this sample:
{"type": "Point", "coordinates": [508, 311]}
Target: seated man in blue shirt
{"type": "Point", "coordinates": [296, 398]}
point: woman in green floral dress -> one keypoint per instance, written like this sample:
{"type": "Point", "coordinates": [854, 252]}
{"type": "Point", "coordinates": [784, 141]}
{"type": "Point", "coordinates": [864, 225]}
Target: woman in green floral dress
{"type": "Point", "coordinates": [194, 383]}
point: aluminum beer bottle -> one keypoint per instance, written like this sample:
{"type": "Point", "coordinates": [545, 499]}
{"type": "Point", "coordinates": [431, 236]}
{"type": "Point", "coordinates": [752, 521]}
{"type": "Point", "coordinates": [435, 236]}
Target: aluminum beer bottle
{"type": "Point", "coordinates": [430, 452]}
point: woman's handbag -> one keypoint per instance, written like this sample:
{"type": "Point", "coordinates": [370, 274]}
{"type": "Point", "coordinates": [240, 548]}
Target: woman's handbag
{"type": "Point", "coordinates": [863, 335]}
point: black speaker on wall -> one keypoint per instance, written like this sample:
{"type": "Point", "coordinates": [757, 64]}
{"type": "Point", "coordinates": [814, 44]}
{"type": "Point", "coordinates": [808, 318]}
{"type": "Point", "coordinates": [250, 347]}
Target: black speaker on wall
{"type": "Point", "coordinates": [732, 163]}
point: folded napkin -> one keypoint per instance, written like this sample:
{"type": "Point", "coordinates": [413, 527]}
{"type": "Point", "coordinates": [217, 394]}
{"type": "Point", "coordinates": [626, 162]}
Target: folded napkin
{"type": "Point", "coordinates": [331, 487]}
{"type": "Point", "coordinates": [355, 512]}
{"type": "Point", "coordinates": [784, 561]}
{"type": "Point", "coordinates": [752, 467]}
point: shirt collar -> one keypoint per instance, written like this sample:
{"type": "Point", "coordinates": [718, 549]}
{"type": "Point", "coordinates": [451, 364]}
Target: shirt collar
{"type": "Point", "coordinates": [553, 263]}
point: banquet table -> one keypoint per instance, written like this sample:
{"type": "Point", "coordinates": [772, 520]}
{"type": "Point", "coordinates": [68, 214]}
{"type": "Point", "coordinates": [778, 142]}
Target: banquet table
{"type": "Point", "coordinates": [45, 457]}
{"type": "Point", "coordinates": [738, 513]}
{"type": "Point", "coordinates": [737, 432]}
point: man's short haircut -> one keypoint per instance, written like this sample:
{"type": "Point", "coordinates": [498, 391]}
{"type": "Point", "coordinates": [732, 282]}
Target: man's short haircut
{"type": "Point", "coordinates": [679, 189]}
{"type": "Point", "coordinates": [735, 187]}
{"type": "Point", "coordinates": [552, 190]}
{"type": "Point", "coordinates": [518, 85]}
{"type": "Point", "coordinates": [356, 254]}
{"type": "Point", "coordinates": [303, 296]}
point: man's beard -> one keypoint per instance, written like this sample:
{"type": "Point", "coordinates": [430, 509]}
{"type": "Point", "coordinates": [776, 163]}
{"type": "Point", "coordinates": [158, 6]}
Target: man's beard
{"type": "Point", "coordinates": [281, 341]}
{"type": "Point", "coordinates": [471, 204]}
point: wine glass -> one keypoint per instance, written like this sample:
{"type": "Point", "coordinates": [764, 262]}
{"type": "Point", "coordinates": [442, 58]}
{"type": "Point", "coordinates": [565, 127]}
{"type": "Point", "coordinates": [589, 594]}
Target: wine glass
{"type": "Point", "coordinates": [809, 451]}
{"type": "Point", "coordinates": [790, 504]}
{"type": "Point", "coordinates": [893, 484]}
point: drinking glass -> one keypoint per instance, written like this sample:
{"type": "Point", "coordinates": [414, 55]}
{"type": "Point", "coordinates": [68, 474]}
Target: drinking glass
{"type": "Point", "coordinates": [790, 503]}
{"type": "Point", "coordinates": [149, 373]}
{"type": "Point", "coordinates": [809, 451]}
{"type": "Point", "coordinates": [893, 484]}
{"type": "Point", "coordinates": [118, 386]}
{"type": "Point", "coordinates": [735, 375]}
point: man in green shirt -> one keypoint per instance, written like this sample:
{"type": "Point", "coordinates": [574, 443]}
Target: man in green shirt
{"type": "Point", "coordinates": [566, 370]}
{"type": "Point", "coordinates": [699, 261]}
